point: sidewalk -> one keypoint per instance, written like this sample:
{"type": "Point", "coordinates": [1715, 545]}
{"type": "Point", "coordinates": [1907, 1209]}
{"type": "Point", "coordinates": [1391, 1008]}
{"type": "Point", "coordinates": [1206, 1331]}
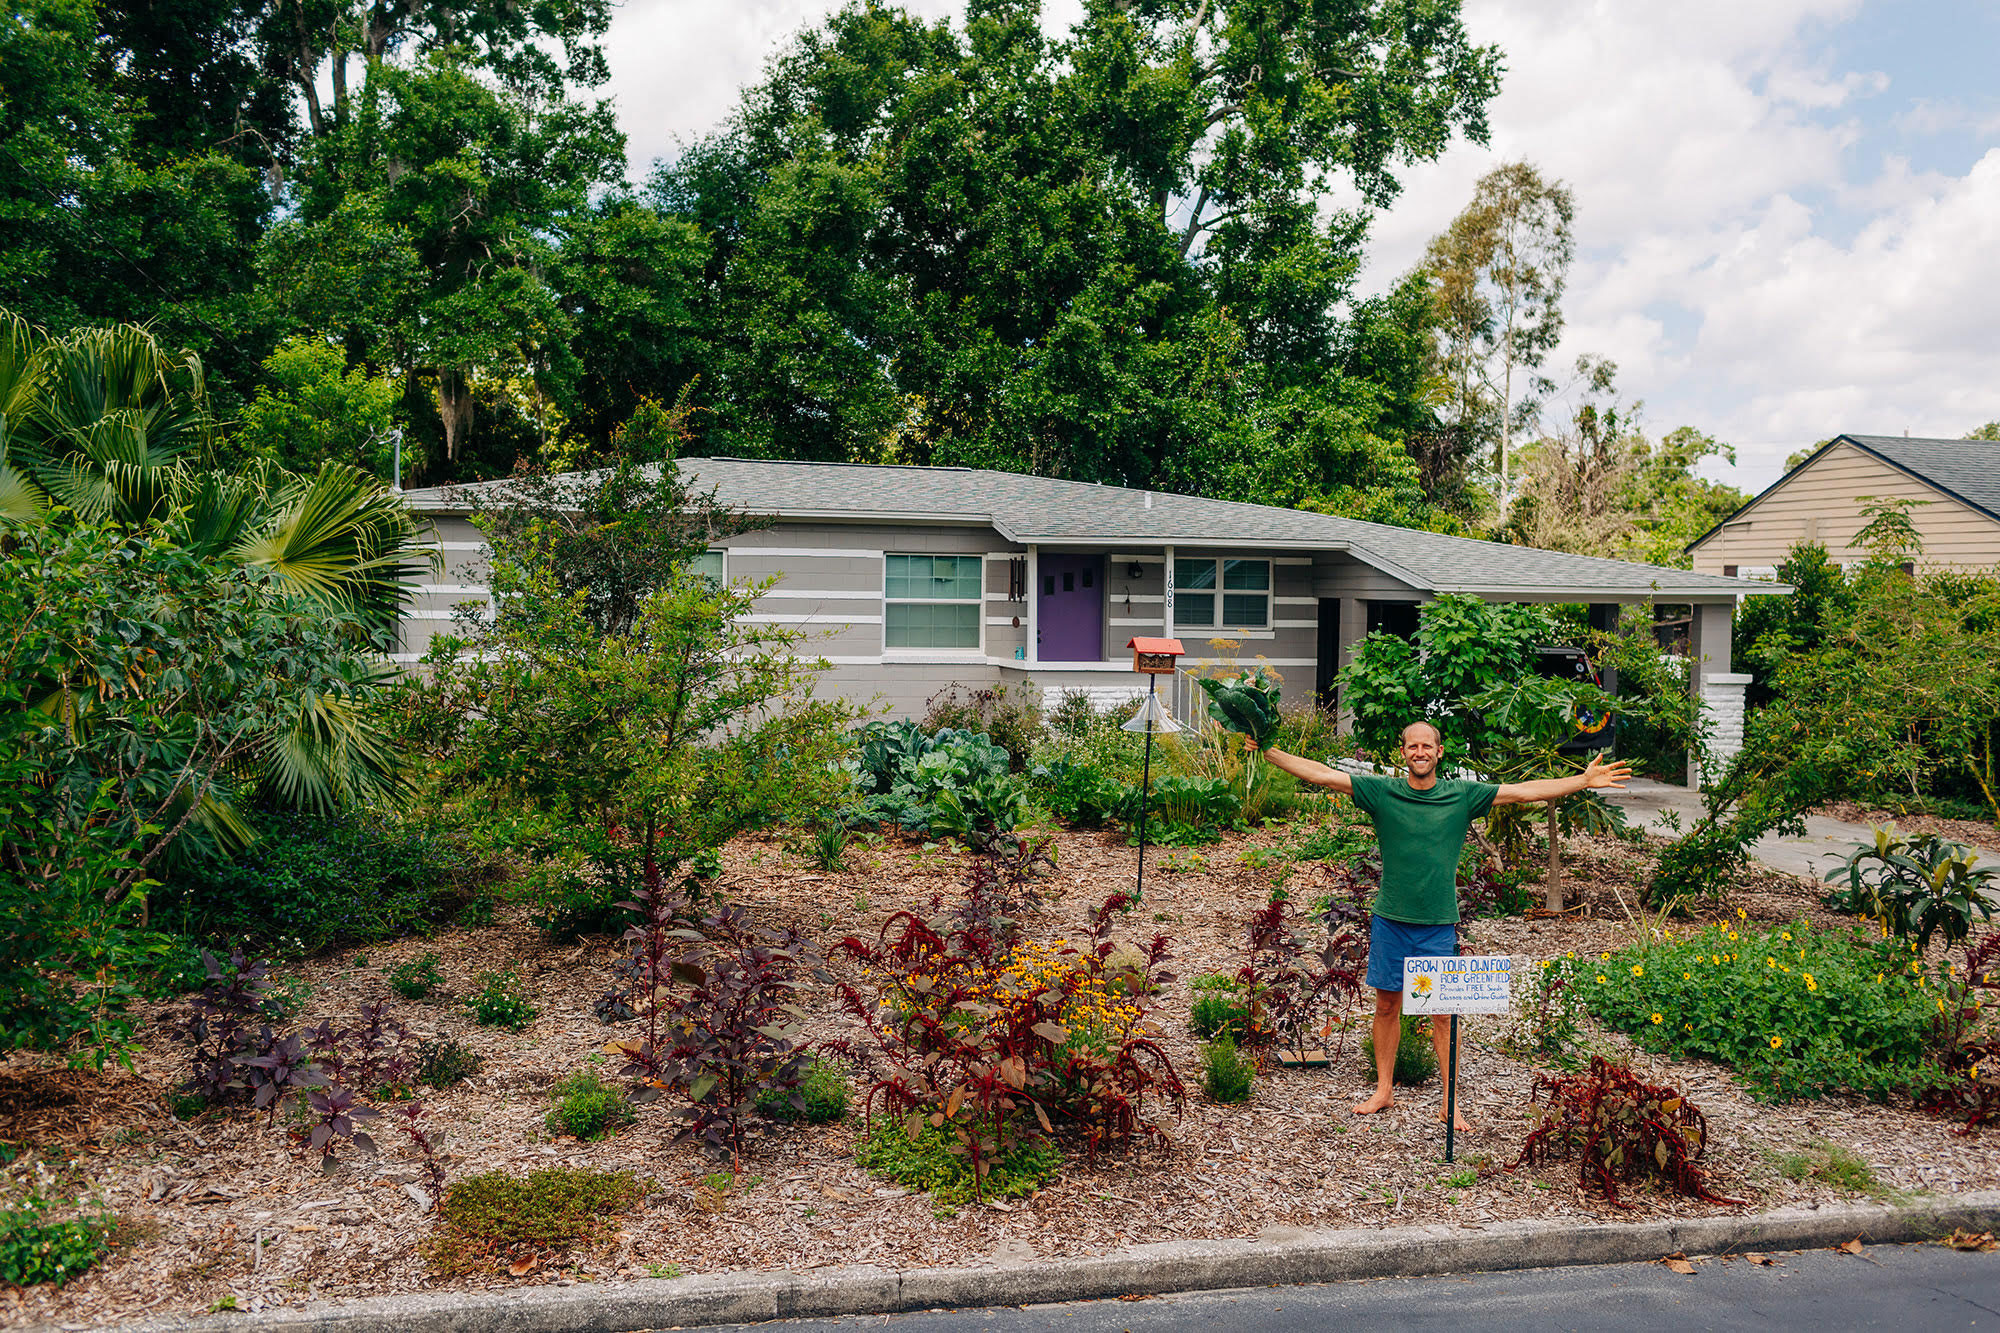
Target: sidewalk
{"type": "Point", "coordinates": [1825, 846]}
{"type": "Point", "coordinates": [1279, 1257]}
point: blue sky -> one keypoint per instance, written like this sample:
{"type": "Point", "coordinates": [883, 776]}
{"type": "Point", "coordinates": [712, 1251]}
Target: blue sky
{"type": "Point", "coordinates": [1788, 210]}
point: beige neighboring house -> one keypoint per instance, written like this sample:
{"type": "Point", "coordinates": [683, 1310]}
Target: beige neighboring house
{"type": "Point", "coordinates": [1821, 501]}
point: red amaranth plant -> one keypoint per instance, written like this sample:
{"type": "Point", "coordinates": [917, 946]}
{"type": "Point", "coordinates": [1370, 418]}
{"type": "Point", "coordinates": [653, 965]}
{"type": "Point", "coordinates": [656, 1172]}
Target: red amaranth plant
{"type": "Point", "coordinates": [961, 1041]}
{"type": "Point", "coordinates": [1619, 1127]}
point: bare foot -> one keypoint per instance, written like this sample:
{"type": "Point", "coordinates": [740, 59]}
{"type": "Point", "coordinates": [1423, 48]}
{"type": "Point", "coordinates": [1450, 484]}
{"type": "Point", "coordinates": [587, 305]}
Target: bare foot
{"type": "Point", "coordinates": [1463, 1126]}
{"type": "Point", "coordinates": [1381, 1101]}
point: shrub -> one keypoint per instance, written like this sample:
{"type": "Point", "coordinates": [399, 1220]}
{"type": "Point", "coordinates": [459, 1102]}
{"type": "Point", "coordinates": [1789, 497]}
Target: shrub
{"type": "Point", "coordinates": [487, 1221]}
{"type": "Point", "coordinates": [819, 1099]}
{"type": "Point", "coordinates": [830, 847]}
{"type": "Point", "coordinates": [1009, 714]}
{"type": "Point", "coordinates": [588, 1108]}
{"type": "Point", "coordinates": [34, 1250]}
{"type": "Point", "coordinates": [1797, 1012]}
{"type": "Point", "coordinates": [1416, 1057]}
{"type": "Point", "coordinates": [501, 1001]}
{"type": "Point", "coordinates": [1079, 795]}
{"type": "Point", "coordinates": [975, 1032]}
{"type": "Point", "coordinates": [417, 978]}
{"type": "Point", "coordinates": [1915, 885]}
{"type": "Point", "coordinates": [323, 880]}
{"type": "Point", "coordinates": [1618, 1127]}
{"type": "Point", "coordinates": [1226, 1076]}
{"type": "Point", "coordinates": [1218, 1008]}
{"type": "Point", "coordinates": [932, 1162]}
{"type": "Point", "coordinates": [444, 1061]}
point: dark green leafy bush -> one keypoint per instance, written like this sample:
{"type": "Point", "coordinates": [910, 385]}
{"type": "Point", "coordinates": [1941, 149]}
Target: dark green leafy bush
{"type": "Point", "coordinates": [1797, 1012]}
{"type": "Point", "coordinates": [1416, 1056]}
{"type": "Point", "coordinates": [901, 771]}
{"type": "Point", "coordinates": [1080, 795]}
{"type": "Point", "coordinates": [1916, 885]}
{"type": "Point", "coordinates": [322, 881]}
{"type": "Point", "coordinates": [586, 1107]}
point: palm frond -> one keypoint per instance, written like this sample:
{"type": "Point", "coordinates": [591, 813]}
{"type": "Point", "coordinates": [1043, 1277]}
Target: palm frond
{"type": "Point", "coordinates": [340, 537]}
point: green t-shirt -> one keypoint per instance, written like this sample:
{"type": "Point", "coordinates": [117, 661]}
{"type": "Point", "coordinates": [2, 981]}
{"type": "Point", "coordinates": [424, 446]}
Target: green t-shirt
{"type": "Point", "coordinates": [1422, 833]}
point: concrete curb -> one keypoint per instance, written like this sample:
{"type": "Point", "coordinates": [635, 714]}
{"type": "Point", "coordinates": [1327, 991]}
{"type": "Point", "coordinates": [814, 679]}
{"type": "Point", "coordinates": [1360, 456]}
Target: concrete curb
{"type": "Point", "coordinates": [1281, 1257]}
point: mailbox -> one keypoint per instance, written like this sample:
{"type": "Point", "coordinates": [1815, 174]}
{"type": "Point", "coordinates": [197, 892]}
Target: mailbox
{"type": "Point", "coordinates": [1155, 657]}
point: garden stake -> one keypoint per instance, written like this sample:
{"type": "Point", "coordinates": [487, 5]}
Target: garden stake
{"type": "Point", "coordinates": [1146, 785]}
{"type": "Point", "coordinates": [1451, 1089]}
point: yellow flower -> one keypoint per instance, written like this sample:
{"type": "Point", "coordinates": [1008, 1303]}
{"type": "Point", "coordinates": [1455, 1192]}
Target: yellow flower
{"type": "Point", "coordinates": [1878, 978]}
{"type": "Point", "coordinates": [1716, 959]}
{"type": "Point", "coordinates": [1600, 980]}
{"type": "Point", "coordinates": [1787, 935]}
{"type": "Point", "coordinates": [1770, 962]}
{"type": "Point", "coordinates": [1658, 1019]}
{"type": "Point", "coordinates": [1810, 983]}
{"type": "Point", "coordinates": [1638, 971]}
{"type": "Point", "coordinates": [1940, 1004]}
{"type": "Point", "coordinates": [1776, 1041]}
{"type": "Point", "coordinates": [1732, 934]}
{"type": "Point", "coordinates": [1687, 976]}
{"type": "Point", "coordinates": [1603, 956]}
{"type": "Point", "coordinates": [1742, 915]}
{"type": "Point", "coordinates": [1687, 1027]}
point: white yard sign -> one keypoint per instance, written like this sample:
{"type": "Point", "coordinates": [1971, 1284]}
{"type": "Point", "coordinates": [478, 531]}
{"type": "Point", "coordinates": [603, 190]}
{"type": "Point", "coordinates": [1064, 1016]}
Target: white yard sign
{"type": "Point", "coordinates": [1467, 984]}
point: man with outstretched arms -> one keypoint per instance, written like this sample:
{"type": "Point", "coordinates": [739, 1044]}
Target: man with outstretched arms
{"type": "Point", "coordinates": [1421, 821]}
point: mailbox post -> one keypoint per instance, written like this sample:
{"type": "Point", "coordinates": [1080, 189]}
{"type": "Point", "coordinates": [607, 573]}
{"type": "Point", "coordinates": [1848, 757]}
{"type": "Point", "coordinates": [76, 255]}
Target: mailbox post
{"type": "Point", "coordinates": [1151, 658]}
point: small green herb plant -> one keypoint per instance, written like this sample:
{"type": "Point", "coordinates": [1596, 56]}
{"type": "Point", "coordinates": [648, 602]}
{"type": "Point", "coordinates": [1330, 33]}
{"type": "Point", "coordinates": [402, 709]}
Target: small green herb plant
{"type": "Point", "coordinates": [501, 1001]}
{"type": "Point", "coordinates": [1416, 1057]}
{"type": "Point", "coordinates": [1226, 1075]}
{"type": "Point", "coordinates": [1220, 1007]}
{"type": "Point", "coordinates": [821, 1096]}
{"type": "Point", "coordinates": [586, 1107]}
{"type": "Point", "coordinates": [444, 1061]}
{"type": "Point", "coordinates": [417, 978]}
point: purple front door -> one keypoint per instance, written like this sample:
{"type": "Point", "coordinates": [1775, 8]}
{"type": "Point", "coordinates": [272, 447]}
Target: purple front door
{"type": "Point", "coordinates": [1070, 608]}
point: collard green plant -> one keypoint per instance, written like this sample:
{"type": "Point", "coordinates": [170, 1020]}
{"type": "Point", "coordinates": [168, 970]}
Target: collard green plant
{"type": "Point", "coordinates": [1247, 706]}
{"type": "Point", "coordinates": [1917, 885]}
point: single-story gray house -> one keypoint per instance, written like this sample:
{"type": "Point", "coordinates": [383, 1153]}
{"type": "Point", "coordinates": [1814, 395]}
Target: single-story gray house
{"type": "Point", "coordinates": [915, 578]}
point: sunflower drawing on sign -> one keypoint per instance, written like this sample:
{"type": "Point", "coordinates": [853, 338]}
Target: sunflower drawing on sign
{"type": "Point", "coordinates": [1421, 985]}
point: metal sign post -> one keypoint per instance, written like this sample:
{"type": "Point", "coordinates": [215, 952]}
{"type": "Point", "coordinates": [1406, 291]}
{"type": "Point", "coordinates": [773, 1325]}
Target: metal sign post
{"type": "Point", "coordinates": [1152, 658]}
{"type": "Point", "coordinates": [1454, 985]}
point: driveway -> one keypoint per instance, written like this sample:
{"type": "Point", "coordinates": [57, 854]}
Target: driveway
{"type": "Point", "coordinates": [1825, 846]}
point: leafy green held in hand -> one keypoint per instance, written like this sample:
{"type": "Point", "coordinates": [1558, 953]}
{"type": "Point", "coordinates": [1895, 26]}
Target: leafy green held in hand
{"type": "Point", "coordinates": [1249, 706]}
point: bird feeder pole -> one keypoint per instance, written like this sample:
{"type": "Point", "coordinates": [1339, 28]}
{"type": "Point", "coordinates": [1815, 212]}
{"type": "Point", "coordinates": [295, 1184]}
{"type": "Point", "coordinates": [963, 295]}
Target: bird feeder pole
{"type": "Point", "coordinates": [1152, 658]}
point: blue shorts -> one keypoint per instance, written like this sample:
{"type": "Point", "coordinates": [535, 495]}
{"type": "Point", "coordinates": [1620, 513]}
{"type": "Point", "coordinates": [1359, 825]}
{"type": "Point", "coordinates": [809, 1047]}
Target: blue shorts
{"type": "Point", "coordinates": [1390, 942]}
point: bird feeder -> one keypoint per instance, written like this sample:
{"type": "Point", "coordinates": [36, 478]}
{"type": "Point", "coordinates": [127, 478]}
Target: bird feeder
{"type": "Point", "coordinates": [1151, 658]}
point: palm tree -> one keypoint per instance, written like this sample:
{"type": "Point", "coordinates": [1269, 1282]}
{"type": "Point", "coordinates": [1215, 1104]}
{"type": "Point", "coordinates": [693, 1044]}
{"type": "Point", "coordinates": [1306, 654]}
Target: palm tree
{"type": "Point", "coordinates": [110, 426]}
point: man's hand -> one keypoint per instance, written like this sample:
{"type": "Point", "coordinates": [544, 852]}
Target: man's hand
{"type": "Point", "coordinates": [1600, 774]}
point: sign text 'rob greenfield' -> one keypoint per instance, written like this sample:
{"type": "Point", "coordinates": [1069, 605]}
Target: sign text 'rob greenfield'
{"type": "Point", "coordinates": [1471, 984]}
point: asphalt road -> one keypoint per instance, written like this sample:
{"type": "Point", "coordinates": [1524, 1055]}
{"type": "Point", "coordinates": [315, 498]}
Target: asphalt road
{"type": "Point", "coordinates": [1912, 1288]}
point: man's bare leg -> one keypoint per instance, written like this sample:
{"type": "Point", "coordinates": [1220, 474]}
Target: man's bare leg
{"type": "Point", "coordinates": [1388, 1031]}
{"type": "Point", "coordinates": [1441, 1042]}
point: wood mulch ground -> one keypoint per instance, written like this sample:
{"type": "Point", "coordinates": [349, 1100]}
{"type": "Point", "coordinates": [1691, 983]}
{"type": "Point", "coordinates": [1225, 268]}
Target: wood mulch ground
{"type": "Point", "coordinates": [224, 1210]}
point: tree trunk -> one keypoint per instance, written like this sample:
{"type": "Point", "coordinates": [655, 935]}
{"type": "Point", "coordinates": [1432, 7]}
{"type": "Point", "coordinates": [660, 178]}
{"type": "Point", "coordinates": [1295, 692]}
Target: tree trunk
{"type": "Point", "coordinates": [1554, 881]}
{"type": "Point", "coordinates": [454, 399]}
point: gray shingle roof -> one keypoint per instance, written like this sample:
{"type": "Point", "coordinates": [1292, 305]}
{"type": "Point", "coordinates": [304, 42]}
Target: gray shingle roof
{"type": "Point", "coordinates": [1045, 511]}
{"type": "Point", "coordinates": [1968, 470]}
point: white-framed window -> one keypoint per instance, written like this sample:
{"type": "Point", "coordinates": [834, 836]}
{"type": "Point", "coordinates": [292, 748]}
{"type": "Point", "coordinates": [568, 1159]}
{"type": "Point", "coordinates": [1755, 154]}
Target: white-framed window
{"type": "Point", "coordinates": [932, 601]}
{"type": "Point", "coordinates": [709, 565]}
{"type": "Point", "coordinates": [1222, 593]}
